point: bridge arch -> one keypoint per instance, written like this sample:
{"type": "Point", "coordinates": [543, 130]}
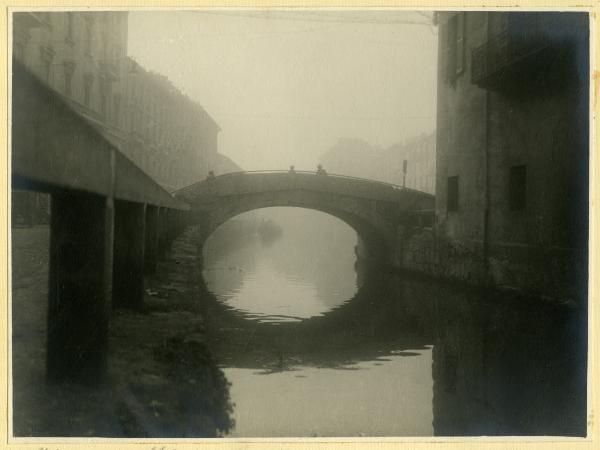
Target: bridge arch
{"type": "Point", "coordinates": [371, 238]}
{"type": "Point", "coordinates": [374, 210]}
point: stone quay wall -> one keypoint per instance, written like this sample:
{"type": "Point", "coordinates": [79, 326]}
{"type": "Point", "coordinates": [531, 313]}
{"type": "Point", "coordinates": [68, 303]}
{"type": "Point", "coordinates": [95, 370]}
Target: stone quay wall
{"type": "Point", "coordinates": [559, 274]}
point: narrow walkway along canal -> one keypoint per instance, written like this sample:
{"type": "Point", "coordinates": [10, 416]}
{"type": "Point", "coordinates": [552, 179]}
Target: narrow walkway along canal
{"type": "Point", "coordinates": [315, 345]}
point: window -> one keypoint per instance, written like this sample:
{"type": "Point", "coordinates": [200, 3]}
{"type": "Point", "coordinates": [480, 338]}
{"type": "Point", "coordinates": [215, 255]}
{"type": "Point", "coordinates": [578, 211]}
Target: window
{"type": "Point", "coordinates": [69, 36]}
{"type": "Point", "coordinates": [460, 43]}
{"type": "Point", "coordinates": [455, 47]}
{"type": "Point", "coordinates": [517, 188]}
{"type": "Point", "coordinates": [103, 103]}
{"type": "Point", "coordinates": [46, 71]}
{"type": "Point", "coordinates": [68, 83]}
{"type": "Point", "coordinates": [88, 37]}
{"type": "Point", "coordinates": [452, 200]}
{"type": "Point", "coordinates": [87, 89]}
{"type": "Point", "coordinates": [47, 55]}
{"type": "Point", "coordinates": [105, 96]}
{"type": "Point", "coordinates": [117, 109]}
{"type": "Point", "coordinates": [69, 69]}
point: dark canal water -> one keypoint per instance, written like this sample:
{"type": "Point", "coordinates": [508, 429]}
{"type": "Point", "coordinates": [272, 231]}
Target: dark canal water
{"type": "Point", "coordinates": [314, 344]}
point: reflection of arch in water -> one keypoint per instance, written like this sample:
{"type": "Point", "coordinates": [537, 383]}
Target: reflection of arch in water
{"type": "Point", "coordinates": [382, 317]}
{"type": "Point", "coordinates": [372, 233]}
{"type": "Point", "coordinates": [316, 247]}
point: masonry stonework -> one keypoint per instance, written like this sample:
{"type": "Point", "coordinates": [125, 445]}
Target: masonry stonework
{"type": "Point", "coordinates": [513, 136]}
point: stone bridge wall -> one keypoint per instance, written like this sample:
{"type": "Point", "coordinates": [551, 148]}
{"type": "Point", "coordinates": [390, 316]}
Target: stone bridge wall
{"type": "Point", "coordinates": [374, 210]}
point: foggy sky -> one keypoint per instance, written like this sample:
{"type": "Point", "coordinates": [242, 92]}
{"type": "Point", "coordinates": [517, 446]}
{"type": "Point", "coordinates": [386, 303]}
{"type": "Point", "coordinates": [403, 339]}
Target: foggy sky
{"type": "Point", "coordinates": [285, 85]}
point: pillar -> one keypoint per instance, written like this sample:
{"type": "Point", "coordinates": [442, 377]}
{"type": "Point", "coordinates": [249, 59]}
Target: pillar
{"type": "Point", "coordinates": [128, 267]}
{"type": "Point", "coordinates": [180, 223]}
{"type": "Point", "coordinates": [162, 233]}
{"type": "Point", "coordinates": [185, 220]}
{"type": "Point", "coordinates": [151, 246]}
{"type": "Point", "coordinates": [172, 218]}
{"type": "Point", "coordinates": [80, 273]}
{"type": "Point", "coordinates": [170, 227]}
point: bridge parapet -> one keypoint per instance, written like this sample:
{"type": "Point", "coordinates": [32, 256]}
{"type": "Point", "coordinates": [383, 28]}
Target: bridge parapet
{"type": "Point", "coordinates": [243, 183]}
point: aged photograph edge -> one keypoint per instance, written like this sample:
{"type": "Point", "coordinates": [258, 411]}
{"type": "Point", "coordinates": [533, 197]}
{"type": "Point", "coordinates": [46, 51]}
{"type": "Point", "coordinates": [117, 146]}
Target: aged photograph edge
{"type": "Point", "coordinates": [504, 442]}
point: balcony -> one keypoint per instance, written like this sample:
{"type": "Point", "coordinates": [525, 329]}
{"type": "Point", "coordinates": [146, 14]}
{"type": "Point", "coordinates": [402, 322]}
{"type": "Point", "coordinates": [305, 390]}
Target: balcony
{"type": "Point", "coordinates": [509, 57]}
{"type": "Point", "coordinates": [524, 50]}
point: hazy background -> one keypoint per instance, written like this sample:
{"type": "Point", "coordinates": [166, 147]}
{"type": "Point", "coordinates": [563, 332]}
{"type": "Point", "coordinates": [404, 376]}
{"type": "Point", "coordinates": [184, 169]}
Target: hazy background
{"type": "Point", "coordinates": [285, 85]}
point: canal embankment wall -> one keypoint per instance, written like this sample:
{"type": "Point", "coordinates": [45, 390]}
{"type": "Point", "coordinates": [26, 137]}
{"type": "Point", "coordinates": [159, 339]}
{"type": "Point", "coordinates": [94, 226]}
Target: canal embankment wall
{"type": "Point", "coordinates": [554, 273]}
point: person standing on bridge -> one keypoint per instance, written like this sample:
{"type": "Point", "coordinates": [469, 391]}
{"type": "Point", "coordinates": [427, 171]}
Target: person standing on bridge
{"type": "Point", "coordinates": [292, 169]}
{"type": "Point", "coordinates": [211, 175]}
{"type": "Point", "coordinates": [320, 170]}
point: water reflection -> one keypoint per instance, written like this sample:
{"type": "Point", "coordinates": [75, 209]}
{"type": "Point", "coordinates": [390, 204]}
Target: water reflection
{"type": "Point", "coordinates": [396, 357]}
{"type": "Point", "coordinates": [282, 279]}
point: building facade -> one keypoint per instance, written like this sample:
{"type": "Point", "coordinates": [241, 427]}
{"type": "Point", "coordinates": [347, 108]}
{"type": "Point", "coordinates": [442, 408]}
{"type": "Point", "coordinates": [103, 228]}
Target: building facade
{"type": "Point", "coordinates": [79, 54]}
{"type": "Point", "coordinates": [512, 147]}
{"type": "Point", "coordinates": [83, 56]}
{"type": "Point", "coordinates": [169, 136]}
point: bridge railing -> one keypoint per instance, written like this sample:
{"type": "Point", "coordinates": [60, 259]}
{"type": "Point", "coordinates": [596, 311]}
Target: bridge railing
{"type": "Point", "coordinates": [305, 172]}
{"type": "Point", "coordinates": [421, 219]}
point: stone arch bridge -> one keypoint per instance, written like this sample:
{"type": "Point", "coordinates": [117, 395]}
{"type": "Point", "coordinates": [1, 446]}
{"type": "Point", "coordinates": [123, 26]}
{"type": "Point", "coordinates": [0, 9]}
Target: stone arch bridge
{"type": "Point", "coordinates": [375, 210]}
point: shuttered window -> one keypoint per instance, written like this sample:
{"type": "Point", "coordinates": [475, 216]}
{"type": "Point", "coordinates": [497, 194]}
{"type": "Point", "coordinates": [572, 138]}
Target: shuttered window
{"type": "Point", "coordinates": [460, 43]}
{"type": "Point", "coordinates": [452, 194]}
{"type": "Point", "coordinates": [451, 53]}
{"type": "Point", "coordinates": [517, 188]}
{"type": "Point", "coordinates": [455, 47]}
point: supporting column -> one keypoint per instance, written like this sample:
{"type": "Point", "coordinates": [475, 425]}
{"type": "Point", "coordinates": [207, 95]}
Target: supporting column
{"type": "Point", "coordinates": [183, 218]}
{"type": "Point", "coordinates": [128, 267]}
{"type": "Point", "coordinates": [179, 221]}
{"type": "Point", "coordinates": [162, 233]}
{"type": "Point", "coordinates": [151, 250]}
{"type": "Point", "coordinates": [170, 227]}
{"type": "Point", "coordinates": [81, 245]}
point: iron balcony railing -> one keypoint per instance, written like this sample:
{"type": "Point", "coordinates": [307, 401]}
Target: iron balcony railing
{"type": "Point", "coordinates": [504, 50]}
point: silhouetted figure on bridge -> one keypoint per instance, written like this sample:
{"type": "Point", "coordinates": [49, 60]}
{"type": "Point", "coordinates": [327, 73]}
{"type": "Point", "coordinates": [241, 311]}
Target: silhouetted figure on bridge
{"type": "Point", "coordinates": [292, 169]}
{"type": "Point", "coordinates": [320, 170]}
{"type": "Point", "coordinates": [211, 175]}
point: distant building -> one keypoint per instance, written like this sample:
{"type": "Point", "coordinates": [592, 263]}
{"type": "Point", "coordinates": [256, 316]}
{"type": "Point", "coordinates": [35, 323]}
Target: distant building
{"type": "Point", "coordinates": [224, 164]}
{"type": "Point", "coordinates": [169, 136]}
{"type": "Point", "coordinates": [512, 144]}
{"type": "Point", "coordinates": [358, 158]}
{"type": "Point", "coordinates": [419, 154]}
{"type": "Point", "coordinates": [83, 56]}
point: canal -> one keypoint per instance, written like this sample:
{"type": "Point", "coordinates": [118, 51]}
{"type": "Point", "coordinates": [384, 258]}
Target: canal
{"type": "Point", "coordinates": [316, 344]}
